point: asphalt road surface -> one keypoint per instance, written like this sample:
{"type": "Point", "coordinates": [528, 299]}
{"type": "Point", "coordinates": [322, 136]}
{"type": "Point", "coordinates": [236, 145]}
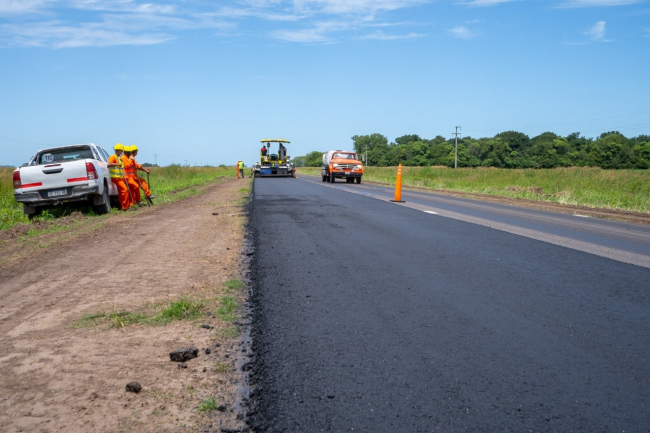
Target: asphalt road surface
{"type": "Point", "coordinates": [443, 314]}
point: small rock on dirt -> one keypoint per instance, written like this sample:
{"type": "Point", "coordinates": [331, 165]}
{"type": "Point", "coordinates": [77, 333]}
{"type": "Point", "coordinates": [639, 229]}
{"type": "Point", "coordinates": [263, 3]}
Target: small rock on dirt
{"type": "Point", "coordinates": [207, 351]}
{"type": "Point", "coordinates": [182, 355]}
{"type": "Point", "coordinates": [182, 365]}
{"type": "Point", "coordinates": [133, 387]}
{"type": "Point", "coordinates": [204, 326]}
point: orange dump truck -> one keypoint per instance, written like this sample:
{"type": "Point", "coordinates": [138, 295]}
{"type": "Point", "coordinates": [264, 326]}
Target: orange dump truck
{"type": "Point", "coordinates": [341, 164]}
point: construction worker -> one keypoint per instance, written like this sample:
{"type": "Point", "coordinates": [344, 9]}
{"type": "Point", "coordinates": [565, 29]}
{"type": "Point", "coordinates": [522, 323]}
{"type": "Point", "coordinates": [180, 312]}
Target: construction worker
{"type": "Point", "coordinates": [240, 166]}
{"type": "Point", "coordinates": [117, 177]}
{"type": "Point", "coordinates": [141, 181]}
{"type": "Point", "coordinates": [129, 174]}
{"type": "Point", "coordinates": [263, 150]}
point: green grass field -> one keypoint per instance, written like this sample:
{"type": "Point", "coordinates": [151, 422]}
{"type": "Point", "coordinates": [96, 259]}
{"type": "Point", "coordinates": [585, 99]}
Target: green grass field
{"type": "Point", "coordinates": [594, 187]}
{"type": "Point", "coordinates": [168, 183]}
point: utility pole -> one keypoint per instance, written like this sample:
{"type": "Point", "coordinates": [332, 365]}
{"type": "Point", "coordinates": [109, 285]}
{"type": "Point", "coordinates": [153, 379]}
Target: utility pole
{"type": "Point", "coordinates": [456, 147]}
{"type": "Point", "coordinates": [366, 155]}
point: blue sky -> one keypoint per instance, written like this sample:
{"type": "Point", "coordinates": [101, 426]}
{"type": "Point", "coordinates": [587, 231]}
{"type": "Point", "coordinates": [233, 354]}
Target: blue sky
{"type": "Point", "coordinates": [202, 82]}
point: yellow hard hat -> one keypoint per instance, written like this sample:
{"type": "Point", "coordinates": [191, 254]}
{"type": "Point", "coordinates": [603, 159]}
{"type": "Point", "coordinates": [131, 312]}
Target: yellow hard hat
{"type": "Point", "coordinates": [134, 148]}
{"type": "Point", "coordinates": [119, 146]}
{"type": "Point", "coordinates": [127, 148]}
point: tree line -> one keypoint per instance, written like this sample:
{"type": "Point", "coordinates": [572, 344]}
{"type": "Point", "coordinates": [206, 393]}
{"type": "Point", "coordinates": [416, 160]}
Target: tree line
{"type": "Point", "coordinates": [510, 149]}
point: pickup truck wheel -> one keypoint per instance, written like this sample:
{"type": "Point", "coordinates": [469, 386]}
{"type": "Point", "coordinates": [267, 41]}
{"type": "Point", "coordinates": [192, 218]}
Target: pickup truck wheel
{"type": "Point", "coordinates": [324, 178]}
{"type": "Point", "coordinates": [105, 208]}
{"type": "Point", "coordinates": [332, 178]}
{"type": "Point", "coordinates": [358, 180]}
{"type": "Point", "coordinates": [37, 212]}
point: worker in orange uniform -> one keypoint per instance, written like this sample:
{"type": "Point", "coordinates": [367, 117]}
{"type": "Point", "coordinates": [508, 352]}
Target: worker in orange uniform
{"type": "Point", "coordinates": [141, 181]}
{"type": "Point", "coordinates": [117, 177]}
{"type": "Point", "coordinates": [129, 174]}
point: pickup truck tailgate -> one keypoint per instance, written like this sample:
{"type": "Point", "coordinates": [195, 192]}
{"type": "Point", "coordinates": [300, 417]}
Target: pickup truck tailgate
{"type": "Point", "coordinates": [54, 177]}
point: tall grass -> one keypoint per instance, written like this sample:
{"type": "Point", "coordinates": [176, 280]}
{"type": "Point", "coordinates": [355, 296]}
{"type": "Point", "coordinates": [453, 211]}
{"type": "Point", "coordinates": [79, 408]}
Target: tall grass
{"type": "Point", "coordinates": [11, 211]}
{"type": "Point", "coordinates": [594, 187]}
{"type": "Point", "coordinates": [166, 182]}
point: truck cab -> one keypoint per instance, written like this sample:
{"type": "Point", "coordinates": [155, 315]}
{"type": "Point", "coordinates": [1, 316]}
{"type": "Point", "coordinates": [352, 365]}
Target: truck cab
{"type": "Point", "coordinates": [342, 164]}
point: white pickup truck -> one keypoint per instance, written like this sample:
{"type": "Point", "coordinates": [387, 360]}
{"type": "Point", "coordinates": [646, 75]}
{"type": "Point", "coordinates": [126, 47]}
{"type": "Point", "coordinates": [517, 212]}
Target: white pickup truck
{"type": "Point", "coordinates": [64, 174]}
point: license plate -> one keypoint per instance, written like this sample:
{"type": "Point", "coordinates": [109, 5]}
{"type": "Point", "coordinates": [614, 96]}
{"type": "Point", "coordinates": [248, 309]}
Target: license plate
{"type": "Point", "coordinates": [57, 192]}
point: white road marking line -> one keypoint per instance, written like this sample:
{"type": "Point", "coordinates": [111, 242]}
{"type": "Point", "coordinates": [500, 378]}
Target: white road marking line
{"type": "Point", "coordinates": [586, 247]}
{"type": "Point", "coordinates": [431, 212]}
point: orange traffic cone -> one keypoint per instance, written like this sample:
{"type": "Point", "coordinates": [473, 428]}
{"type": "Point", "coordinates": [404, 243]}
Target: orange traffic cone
{"type": "Point", "coordinates": [398, 186]}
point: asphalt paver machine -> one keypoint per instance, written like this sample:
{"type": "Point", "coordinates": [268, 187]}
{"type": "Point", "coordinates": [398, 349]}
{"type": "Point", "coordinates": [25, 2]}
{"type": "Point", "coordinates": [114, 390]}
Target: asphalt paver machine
{"type": "Point", "coordinates": [272, 164]}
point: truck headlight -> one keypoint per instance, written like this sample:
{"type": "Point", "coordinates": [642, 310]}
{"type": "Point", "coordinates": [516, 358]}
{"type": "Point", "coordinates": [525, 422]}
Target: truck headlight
{"type": "Point", "coordinates": [335, 165]}
{"type": "Point", "coordinates": [359, 166]}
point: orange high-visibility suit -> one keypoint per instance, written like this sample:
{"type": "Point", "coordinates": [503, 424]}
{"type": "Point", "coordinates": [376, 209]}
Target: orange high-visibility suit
{"type": "Point", "coordinates": [143, 184]}
{"type": "Point", "coordinates": [129, 175]}
{"type": "Point", "coordinates": [123, 195]}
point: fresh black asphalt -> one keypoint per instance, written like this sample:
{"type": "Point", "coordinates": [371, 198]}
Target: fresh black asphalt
{"type": "Point", "coordinates": [373, 317]}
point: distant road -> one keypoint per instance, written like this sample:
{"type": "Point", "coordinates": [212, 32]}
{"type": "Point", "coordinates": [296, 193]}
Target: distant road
{"type": "Point", "coordinates": [444, 314]}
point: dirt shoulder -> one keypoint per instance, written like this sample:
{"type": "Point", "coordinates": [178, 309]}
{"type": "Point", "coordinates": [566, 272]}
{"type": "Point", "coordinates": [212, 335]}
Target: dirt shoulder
{"type": "Point", "coordinates": [61, 375]}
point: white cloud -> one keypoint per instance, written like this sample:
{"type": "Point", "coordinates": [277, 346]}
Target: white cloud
{"type": "Point", "coordinates": [390, 37]}
{"type": "Point", "coordinates": [483, 3]}
{"type": "Point", "coordinates": [312, 7]}
{"type": "Point", "coordinates": [58, 35]}
{"type": "Point", "coordinates": [462, 32]}
{"type": "Point", "coordinates": [142, 22]}
{"type": "Point", "coordinates": [596, 3]}
{"type": "Point", "coordinates": [305, 35]}
{"type": "Point", "coordinates": [318, 33]}
{"type": "Point", "coordinates": [121, 6]}
{"type": "Point", "coordinates": [354, 6]}
{"type": "Point", "coordinates": [23, 6]}
{"type": "Point", "coordinates": [597, 32]}
{"type": "Point", "coordinates": [228, 12]}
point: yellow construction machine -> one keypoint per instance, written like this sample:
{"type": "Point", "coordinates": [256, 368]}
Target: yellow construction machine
{"type": "Point", "coordinates": [274, 164]}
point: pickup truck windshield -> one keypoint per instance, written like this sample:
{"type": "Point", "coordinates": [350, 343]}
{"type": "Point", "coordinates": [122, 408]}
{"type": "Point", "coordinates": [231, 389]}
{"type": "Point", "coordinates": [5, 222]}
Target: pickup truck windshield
{"type": "Point", "coordinates": [345, 155]}
{"type": "Point", "coordinates": [64, 155]}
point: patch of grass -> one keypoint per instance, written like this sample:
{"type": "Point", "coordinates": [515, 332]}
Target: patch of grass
{"type": "Point", "coordinates": [229, 332]}
{"type": "Point", "coordinates": [183, 309]}
{"type": "Point", "coordinates": [227, 308]}
{"type": "Point", "coordinates": [114, 319]}
{"type": "Point", "coordinates": [234, 285]}
{"type": "Point", "coordinates": [208, 405]}
{"type": "Point", "coordinates": [221, 367]}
